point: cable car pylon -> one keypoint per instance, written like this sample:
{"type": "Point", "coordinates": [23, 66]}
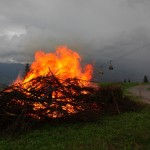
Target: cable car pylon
{"type": "Point", "coordinates": [101, 71]}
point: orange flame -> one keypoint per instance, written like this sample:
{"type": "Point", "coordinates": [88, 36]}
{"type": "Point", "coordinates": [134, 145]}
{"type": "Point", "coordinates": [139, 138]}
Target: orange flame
{"type": "Point", "coordinates": [64, 62]}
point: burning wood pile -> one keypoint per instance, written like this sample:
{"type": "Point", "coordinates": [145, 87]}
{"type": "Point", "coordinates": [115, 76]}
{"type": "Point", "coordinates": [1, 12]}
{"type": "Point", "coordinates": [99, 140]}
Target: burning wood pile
{"type": "Point", "coordinates": [52, 99]}
{"type": "Point", "coordinates": [55, 86]}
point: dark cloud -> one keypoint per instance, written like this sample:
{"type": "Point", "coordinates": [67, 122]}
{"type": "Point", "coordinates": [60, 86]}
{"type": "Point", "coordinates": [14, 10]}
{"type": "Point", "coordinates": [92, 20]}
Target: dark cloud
{"type": "Point", "coordinates": [99, 29]}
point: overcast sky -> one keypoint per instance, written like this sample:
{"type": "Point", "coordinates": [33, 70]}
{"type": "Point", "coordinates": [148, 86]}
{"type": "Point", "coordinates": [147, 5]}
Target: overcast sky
{"type": "Point", "coordinates": [101, 30]}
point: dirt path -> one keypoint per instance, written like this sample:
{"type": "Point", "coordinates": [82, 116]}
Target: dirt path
{"type": "Point", "coordinates": [143, 91]}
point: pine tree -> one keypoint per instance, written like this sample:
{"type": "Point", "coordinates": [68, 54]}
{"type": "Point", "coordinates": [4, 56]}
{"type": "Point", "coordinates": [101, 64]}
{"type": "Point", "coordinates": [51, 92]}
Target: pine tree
{"type": "Point", "coordinates": [124, 80]}
{"type": "Point", "coordinates": [26, 70]}
{"type": "Point", "coordinates": [145, 80]}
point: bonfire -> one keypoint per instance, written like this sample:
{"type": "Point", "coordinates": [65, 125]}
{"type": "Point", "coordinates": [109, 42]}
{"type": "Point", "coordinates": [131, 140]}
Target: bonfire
{"type": "Point", "coordinates": [55, 86]}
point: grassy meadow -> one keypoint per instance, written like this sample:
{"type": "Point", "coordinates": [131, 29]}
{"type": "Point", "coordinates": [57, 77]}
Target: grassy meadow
{"type": "Point", "coordinates": [127, 131]}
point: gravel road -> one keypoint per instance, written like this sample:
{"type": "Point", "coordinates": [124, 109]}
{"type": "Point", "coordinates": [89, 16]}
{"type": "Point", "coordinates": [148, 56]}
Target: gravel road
{"type": "Point", "coordinates": [143, 91]}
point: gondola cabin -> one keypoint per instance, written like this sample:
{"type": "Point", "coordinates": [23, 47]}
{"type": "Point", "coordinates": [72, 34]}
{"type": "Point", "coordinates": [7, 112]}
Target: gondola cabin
{"type": "Point", "coordinates": [110, 66]}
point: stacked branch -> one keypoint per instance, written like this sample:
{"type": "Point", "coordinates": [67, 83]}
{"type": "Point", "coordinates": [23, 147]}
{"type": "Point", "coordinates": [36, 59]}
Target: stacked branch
{"type": "Point", "coordinates": [43, 98]}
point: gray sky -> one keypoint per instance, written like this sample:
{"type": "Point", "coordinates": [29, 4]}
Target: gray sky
{"type": "Point", "coordinates": [97, 29]}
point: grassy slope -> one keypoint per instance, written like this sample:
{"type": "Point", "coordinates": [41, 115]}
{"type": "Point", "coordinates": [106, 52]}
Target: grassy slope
{"type": "Point", "coordinates": [126, 131]}
{"type": "Point", "coordinates": [131, 84]}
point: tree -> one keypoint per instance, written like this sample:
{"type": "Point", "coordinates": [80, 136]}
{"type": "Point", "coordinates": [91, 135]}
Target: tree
{"type": "Point", "coordinates": [26, 70]}
{"type": "Point", "coordinates": [124, 80]}
{"type": "Point", "coordinates": [145, 80]}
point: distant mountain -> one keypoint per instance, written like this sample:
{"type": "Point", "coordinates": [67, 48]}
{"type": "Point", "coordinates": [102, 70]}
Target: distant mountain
{"type": "Point", "coordinates": [9, 72]}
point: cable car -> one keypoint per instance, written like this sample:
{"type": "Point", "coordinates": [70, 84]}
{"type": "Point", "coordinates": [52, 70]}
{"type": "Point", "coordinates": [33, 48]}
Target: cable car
{"type": "Point", "coordinates": [110, 66]}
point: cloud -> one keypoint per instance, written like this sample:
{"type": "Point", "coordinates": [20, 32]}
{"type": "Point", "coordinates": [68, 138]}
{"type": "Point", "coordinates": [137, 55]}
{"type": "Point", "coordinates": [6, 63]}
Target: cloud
{"type": "Point", "coordinates": [99, 29]}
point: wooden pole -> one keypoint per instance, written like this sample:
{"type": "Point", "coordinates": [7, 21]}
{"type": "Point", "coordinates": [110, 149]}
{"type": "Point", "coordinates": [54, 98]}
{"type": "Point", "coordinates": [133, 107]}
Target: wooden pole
{"type": "Point", "coordinates": [140, 92]}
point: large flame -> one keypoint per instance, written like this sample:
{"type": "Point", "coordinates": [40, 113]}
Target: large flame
{"type": "Point", "coordinates": [63, 62]}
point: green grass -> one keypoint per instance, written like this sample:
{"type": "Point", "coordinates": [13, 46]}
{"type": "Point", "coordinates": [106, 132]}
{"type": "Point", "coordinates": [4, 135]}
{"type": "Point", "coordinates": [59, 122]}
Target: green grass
{"type": "Point", "coordinates": [149, 89]}
{"type": "Point", "coordinates": [127, 131]}
{"type": "Point", "coordinates": [124, 85]}
{"type": "Point", "coordinates": [129, 85]}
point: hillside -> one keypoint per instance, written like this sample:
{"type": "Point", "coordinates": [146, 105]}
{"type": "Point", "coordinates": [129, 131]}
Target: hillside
{"type": "Point", "coordinates": [9, 72]}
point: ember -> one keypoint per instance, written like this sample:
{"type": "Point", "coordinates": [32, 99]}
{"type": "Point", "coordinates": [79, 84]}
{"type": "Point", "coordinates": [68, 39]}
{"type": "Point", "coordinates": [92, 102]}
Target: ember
{"type": "Point", "coordinates": [55, 86]}
{"type": "Point", "coordinates": [61, 67]}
